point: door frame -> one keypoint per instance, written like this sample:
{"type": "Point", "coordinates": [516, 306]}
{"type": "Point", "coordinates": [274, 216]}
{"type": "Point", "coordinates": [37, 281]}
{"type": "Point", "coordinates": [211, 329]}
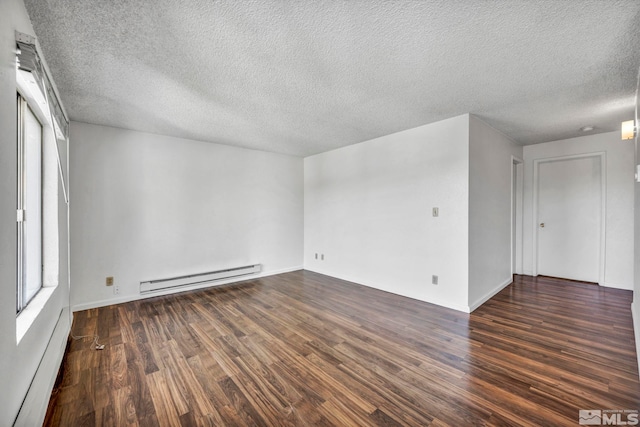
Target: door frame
{"type": "Point", "coordinates": [602, 156]}
{"type": "Point", "coordinates": [517, 203]}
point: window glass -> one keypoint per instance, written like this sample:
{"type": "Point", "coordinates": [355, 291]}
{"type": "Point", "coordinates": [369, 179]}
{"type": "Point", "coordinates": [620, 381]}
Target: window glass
{"type": "Point", "coordinates": [30, 204]}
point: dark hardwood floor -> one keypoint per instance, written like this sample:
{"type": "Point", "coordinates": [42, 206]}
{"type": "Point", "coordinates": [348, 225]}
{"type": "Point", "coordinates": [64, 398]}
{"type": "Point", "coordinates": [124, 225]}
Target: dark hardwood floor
{"type": "Point", "coordinates": [305, 349]}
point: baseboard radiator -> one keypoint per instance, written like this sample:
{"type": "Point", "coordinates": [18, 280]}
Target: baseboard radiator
{"type": "Point", "coordinates": [150, 286]}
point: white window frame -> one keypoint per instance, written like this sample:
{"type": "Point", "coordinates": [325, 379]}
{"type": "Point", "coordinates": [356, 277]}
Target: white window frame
{"type": "Point", "coordinates": [34, 84]}
{"type": "Point", "coordinates": [24, 186]}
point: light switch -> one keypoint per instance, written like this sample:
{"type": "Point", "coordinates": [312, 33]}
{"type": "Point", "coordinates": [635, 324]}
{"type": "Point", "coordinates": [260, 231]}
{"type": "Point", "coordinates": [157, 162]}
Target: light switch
{"type": "Point", "coordinates": [436, 212]}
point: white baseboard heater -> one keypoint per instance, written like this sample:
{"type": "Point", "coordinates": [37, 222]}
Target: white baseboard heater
{"type": "Point", "coordinates": [196, 279]}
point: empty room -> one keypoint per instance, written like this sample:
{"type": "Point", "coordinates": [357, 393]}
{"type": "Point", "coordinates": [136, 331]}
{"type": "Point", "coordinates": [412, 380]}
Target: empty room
{"type": "Point", "coordinates": [332, 213]}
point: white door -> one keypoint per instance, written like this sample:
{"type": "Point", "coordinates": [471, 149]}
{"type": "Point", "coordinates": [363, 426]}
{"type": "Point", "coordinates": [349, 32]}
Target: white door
{"type": "Point", "coordinates": [570, 218]}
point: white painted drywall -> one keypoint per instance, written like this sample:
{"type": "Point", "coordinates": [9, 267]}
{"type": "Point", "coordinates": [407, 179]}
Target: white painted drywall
{"type": "Point", "coordinates": [491, 156]}
{"type": "Point", "coordinates": [148, 207]}
{"type": "Point", "coordinates": [50, 221]}
{"type": "Point", "coordinates": [19, 362]}
{"type": "Point", "coordinates": [635, 306]}
{"type": "Point", "coordinates": [619, 241]}
{"type": "Point", "coordinates": [368, 209]}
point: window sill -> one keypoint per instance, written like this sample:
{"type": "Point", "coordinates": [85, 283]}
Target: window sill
{"type": "Point", "coordinates": [30, 313]}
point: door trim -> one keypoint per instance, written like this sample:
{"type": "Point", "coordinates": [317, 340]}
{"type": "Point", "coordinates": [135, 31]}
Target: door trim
{"type": "Point", "coordinates": [517, 203]}
{"type": "Point", "coordinates": [603, 202]}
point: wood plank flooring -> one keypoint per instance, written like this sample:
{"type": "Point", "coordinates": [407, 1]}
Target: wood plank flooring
{"type": "Point", "coordinates": [302, 349]}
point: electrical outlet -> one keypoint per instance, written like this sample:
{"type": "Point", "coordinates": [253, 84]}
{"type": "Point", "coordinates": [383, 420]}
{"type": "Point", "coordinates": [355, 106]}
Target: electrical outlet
{"type": "Point", "coordinates": [316, 256]}
{"type": "Point", "coordinates": [116, 290]}
{"type": "Point", "coordinates": [322, 257]}
{"type": "Point", "coordinates": [110, 281]}
{"type": "Point", "coordinates": [434, 280]}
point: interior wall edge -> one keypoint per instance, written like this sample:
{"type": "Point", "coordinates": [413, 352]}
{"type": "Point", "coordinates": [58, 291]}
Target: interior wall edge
{"type": "Point", "coordinates": [487, 296]}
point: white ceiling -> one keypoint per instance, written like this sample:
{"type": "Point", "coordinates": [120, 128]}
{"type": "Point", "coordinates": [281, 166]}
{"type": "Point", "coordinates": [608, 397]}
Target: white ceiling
{"type": "Point", "coordinates": [303, 77]}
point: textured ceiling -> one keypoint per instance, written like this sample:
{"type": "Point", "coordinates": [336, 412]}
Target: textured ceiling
{"type": "Point", "coordinates": [303, 77]}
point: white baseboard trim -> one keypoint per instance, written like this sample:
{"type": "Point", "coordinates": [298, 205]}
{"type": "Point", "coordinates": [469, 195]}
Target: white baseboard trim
{"type": "Point", "coordinates": [367, 283]}
{"type": "Point", "coordinates": [445, 304]}
{"type": "Point", "coordinates": [635, 314]}
{"type": "Point", "coordinates": [135, 297]}
{"type": "Point", "coordinates": [616, 286]}
{"type": "Point", "coordinates": [34, 405]}
{"type": "Point", "coordinates": [490, 294]}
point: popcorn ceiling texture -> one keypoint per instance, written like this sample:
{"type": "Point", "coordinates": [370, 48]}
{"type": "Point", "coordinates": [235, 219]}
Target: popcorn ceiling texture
{"type": "Point", "coordinates": [303, 77]}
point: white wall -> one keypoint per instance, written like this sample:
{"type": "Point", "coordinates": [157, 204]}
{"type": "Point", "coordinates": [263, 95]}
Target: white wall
{"type": "Point", "coordinates": [368, 210]}
{"type": "Point", "coordinates": [619, 242]}
{"type": "Point", "coordinates": [19, 362]}
{"type": "Point", "coordinates": [149, 207]}
{"type": "Point", "coordinates": [635, 307]}
{"type": "Point", "coordinates": [490, 199]}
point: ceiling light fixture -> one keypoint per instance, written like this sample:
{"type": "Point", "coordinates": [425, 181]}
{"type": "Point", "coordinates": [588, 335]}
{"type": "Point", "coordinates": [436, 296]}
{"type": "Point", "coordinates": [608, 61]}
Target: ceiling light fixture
{"type": "Point", "coordinates": [587, 128]}
{"type": "Point", "coordinates": [628, 130]}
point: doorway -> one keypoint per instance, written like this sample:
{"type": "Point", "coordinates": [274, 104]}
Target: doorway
{"type": "Point", "coordinates": [569, 215]}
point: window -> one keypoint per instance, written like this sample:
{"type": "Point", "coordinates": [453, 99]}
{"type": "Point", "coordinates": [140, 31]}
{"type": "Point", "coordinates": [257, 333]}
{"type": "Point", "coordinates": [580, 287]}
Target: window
{"type": "Point", "coordinates": [41, 125]}
{"type": "Point", "coordinates": [30, 263]}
